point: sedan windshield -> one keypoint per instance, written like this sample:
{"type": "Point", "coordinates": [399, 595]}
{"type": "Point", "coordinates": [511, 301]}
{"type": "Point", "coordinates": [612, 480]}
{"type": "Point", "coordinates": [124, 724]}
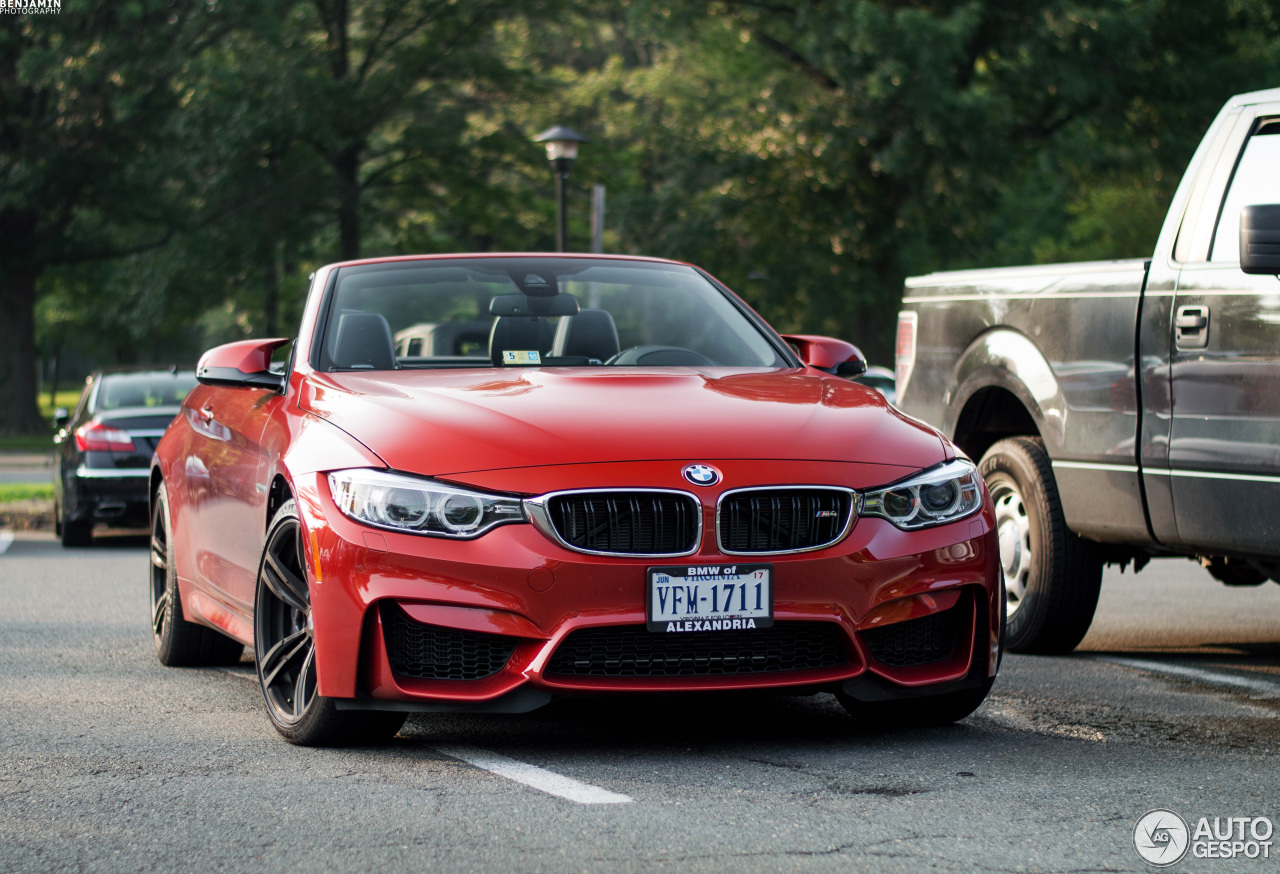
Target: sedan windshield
{"type": "Point", "coordinates": [534, 312]}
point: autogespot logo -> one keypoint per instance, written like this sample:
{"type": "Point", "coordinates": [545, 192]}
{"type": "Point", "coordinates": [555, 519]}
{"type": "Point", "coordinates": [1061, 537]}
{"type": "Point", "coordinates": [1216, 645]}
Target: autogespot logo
{"type": "Point", "coordinates": [1161, 838]}
{"type": "Point", "coordinates": [701, 474]}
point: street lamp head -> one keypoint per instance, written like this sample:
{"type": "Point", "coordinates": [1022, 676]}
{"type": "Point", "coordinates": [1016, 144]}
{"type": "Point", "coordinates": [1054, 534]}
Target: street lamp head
{"type": "Point", "coordinates": [562, 142]}
{"type": "Point", "coordinates": [562, 149]}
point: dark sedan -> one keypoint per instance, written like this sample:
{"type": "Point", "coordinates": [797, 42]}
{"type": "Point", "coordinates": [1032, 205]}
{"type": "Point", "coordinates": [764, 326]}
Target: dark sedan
{"type": "Point", "coordinates": [104, 448]}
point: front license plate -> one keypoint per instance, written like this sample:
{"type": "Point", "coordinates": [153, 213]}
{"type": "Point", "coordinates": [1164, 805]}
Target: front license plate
{"type": "Point", "coordinates": [710, 597]}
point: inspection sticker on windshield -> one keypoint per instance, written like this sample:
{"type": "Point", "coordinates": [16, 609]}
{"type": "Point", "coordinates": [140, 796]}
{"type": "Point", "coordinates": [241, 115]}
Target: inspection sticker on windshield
{"type": "Point", "coordinates": [512, 356]}
{"type": "Point", "coordinates": [734, 597]}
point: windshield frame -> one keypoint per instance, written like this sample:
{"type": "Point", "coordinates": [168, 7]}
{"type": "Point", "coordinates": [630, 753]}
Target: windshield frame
{"type": "Point", "coordinates": [315, 357]}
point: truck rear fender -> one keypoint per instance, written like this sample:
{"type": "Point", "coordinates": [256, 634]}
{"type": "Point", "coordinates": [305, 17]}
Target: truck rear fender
{"type": "Point", "coordinates": [1004, 387]}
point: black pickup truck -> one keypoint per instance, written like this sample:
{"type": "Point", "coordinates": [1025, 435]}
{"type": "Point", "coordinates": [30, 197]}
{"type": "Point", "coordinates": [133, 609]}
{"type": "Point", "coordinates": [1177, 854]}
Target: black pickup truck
{"type": "Point", "coordinates": [1122, 410]}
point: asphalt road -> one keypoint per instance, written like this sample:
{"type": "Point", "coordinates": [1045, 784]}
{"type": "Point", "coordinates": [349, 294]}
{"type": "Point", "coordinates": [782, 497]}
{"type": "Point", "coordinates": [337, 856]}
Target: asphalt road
{"type": "Point", "coordinates": [112, 762]}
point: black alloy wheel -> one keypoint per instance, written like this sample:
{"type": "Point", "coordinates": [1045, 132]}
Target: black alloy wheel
{"type": "Point", "coordinates": [284, 647]}
{"type": "Point", "coordinates": [159, 575]}
{"type": "Point", "coordinates": [283, 639]}
{"type": "Point", "coordinates": [178, 643]}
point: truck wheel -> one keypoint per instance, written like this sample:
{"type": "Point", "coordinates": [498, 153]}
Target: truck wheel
{"type": "Point", "coordinates": [1051, 575]}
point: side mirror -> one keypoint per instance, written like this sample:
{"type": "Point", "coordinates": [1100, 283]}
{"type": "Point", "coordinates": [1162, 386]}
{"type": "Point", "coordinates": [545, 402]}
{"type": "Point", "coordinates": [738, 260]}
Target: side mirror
{"type": "Point", "coordinates": [60, 417]}
{"type": "Point", "coordinates": [246, 364]}
{"type": "Point", "coordinates": [1260, 239]}
{"type": "Point", "coordinates": [829, 354]}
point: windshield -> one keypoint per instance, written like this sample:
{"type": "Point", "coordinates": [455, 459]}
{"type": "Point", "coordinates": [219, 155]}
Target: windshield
{"type": "Point", "coordinates": [117, 390]}
{"type": "Point", "coordinates": [535, 312]}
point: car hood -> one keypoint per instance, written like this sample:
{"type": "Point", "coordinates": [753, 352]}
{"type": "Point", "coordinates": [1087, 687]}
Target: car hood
{"type": "Point", "coordinates": [443, 422]}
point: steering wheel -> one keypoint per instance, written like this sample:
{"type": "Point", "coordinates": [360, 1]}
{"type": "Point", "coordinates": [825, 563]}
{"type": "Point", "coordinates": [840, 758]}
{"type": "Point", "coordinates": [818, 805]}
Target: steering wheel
{"type": "Point", "coordinates": [661, 356]}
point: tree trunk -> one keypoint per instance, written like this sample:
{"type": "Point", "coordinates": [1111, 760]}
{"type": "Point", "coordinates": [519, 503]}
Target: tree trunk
{"type": "Point", "coordinates": [53, 388]}
{"type": "Point", "coordinates": [19, 407]}
{"type": "Point", "coordinates": [348, 169]}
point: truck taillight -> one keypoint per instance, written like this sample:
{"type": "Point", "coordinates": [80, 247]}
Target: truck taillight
{"type": "Point", "coordinates": [97, 437]}
{"type": "Point", "coordinates": [904, 359]}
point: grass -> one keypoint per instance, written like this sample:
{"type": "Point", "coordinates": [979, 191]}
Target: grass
{"type": "Point", "coordinates": [67, 399]}
{"type": "Point", "coordinates": [10, 492]}
{"type": "Point", "coordinates": [26, 444]}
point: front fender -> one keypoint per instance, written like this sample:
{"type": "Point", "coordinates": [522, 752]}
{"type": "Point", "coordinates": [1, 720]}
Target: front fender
{"type": "Point", "coordinates": [1008, 359]}
{"type": "Point", "coordinates": [316, 447]}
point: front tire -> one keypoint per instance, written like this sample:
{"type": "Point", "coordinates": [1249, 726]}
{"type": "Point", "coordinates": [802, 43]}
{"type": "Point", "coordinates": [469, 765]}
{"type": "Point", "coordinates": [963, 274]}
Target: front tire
{"type": "Point", "coordinates": [178, 643]}
{"type": "Point", "coordinates": [927, 712]}
{"type": "Point", "coordinates": [284, 647]}
{"type": "Point", "coordinates": [1052, 576]}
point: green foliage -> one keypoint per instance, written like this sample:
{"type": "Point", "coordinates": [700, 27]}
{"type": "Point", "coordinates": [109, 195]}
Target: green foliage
{"type": "Point", "coordinates": [28, 443]}
{"type": "Point", "coordinates": [12, 492]}
{"type": "Point", "coordinates": [182, 167]}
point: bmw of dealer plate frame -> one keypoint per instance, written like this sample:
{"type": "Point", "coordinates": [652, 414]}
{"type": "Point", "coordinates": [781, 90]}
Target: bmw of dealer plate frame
{"type": "Point", "coordinates": [601, 475]}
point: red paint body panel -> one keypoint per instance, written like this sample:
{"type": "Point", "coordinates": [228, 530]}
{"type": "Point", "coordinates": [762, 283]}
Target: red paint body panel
{"type": "Point", "coordinates": [246, 356]}
{"type": "Point", "coordinates": [442, 423]}
{"type": "Point", "coordinates": [530, 431]}
{"type": "Point", "coordinates": [823, 352]}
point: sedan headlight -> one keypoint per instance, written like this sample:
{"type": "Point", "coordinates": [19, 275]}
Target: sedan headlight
{"type": "Point", "coordinates": [419, 506]}
{"type": "Point", "coordinates": [940, 495]}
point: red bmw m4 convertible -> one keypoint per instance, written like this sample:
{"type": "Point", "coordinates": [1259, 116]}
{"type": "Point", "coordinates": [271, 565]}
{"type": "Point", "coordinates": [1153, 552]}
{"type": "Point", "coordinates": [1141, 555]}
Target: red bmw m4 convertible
{"type": "Point", "coordinates": [482, 482]}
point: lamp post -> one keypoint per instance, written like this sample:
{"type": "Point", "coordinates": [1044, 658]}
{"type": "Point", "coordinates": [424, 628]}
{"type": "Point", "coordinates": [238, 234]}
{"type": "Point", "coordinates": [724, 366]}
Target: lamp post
{"type": "Point", "coordinates": [562, 150]}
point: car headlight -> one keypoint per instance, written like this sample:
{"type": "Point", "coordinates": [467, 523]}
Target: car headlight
{"type": "Point", "coordinates": [940, 495]}
{"type": "Point", "coordinates": [420, 506]}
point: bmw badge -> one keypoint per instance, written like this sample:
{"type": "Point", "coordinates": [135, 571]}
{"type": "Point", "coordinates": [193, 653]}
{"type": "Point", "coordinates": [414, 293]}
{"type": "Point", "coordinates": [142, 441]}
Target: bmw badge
{"type": "Point", "coordinates": [701, 474]}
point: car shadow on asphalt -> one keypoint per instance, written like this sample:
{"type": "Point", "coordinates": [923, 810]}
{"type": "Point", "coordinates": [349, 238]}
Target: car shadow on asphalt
{"type": "Point", "coordinates": [1243, 654]}
{"type": "Point", "coordinates": [670, 722]}
{"type": "Point", "coordinates": [108, 542]}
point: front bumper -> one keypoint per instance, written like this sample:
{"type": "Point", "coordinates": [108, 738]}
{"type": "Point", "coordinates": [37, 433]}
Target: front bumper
{"type": "Point", "coordinates": [515, 587]}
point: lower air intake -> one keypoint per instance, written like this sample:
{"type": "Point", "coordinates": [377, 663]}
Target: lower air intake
{"type": "Point", "coordinates": [429, 652]}
{"type": "Point", "coordinates": [630, 651]}
{"type": "Point", "coordinates": [920, 641]}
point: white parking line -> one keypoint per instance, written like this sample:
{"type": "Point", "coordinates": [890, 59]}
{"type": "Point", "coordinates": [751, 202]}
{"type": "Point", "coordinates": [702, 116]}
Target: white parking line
{"type": "Point", "coordinates": [1257, 686]}
{"type": "Point", "coordinates": [6, 540]}
{"type": "Point", "coordinates": [538, 778]}
{"type": "Point", "coordinates": [522, 772]}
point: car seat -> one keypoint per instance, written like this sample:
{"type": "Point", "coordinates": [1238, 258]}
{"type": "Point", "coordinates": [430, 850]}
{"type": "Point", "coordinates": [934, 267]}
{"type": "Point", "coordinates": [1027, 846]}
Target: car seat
{"type": "Point", "coordinates": [519, 334]}
{"type": "Point", "coordinates": [364, 342]}
{"type": "Point", "coordinates": [590, 334]}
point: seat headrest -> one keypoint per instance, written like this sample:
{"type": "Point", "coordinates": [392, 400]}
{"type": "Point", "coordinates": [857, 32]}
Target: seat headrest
{"type": "Point", "coordinates": [519, 334]}
{"type": "Point", "coordinates": [590, 334]}
{"type": "Point", "coordinates": [364, 341]}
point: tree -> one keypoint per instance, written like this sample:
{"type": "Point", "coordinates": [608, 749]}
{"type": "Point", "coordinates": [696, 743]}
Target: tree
{"type": "Point", "coordinates": [88, 167]}
{"type": "Point", "coordinates": [381, 93]}
{"type": "Point", "coordinates": [815, 152]}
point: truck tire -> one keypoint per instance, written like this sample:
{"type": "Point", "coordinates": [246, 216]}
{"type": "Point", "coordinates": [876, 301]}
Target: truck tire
{"type": "Point", "coordinates": [1052, 576]}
